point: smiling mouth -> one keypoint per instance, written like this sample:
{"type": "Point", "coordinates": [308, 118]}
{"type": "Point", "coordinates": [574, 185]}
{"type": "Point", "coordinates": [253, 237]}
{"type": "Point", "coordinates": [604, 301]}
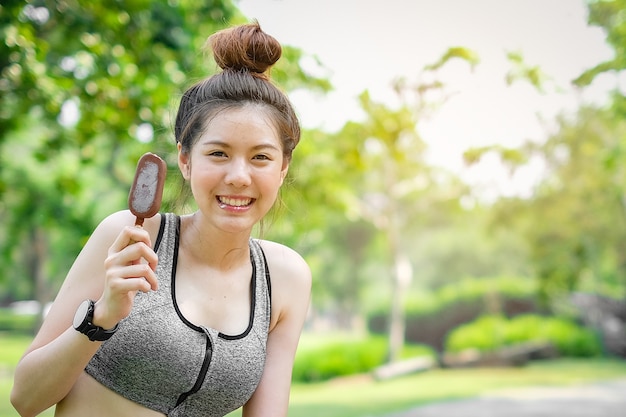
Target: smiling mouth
{"type": "Point", "coordinates": [234, 202]}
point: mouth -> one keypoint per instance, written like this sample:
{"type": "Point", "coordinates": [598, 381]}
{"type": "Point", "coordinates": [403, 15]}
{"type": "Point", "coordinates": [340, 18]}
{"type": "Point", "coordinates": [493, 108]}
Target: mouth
{"type": "Point", "coordinates": [236, 202]}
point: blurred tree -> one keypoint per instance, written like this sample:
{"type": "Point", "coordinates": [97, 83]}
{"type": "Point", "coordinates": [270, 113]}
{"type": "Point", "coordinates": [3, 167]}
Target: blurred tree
{"type": "Point", "coordinates": [608, 15]}
{"type": "Point", "coordinates": [464, 244]}
{"type": "Point", "coordinates": [86, 88]}
{"type": "Point", "coordinates": [575, 223]}
{"type": "Point", "coordinates": [393, 188]}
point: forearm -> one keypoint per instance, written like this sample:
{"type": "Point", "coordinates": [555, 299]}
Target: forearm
{"type": "Point", "coordinates": [109, 270]}
{"type": "Point", "coordinates": [46, 375]}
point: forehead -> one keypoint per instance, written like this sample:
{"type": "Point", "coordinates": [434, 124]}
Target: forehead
{"type": "Point", "coordinates": [250, 119]}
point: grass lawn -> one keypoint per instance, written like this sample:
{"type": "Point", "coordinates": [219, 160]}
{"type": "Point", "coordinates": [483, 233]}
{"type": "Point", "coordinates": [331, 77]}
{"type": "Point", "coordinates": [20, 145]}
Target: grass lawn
{"type": "Point", "coordinates": [360, 396]}
{"type": "Point", "coordinates": [11, 349]}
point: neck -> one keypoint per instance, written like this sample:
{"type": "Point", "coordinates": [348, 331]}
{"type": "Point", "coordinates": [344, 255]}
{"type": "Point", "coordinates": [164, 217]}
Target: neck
{"type": "Point", "coordinates": [215, 248]}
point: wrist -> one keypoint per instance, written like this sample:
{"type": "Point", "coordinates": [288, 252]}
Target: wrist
{"type": "Point", "coordinates": [101, 318]}
{"type": "Point", "coordinates": [83, 323]}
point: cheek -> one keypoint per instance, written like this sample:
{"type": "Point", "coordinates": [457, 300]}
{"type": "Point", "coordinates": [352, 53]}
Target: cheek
{"type": "Point", "coordinates": [272, 182]}
{"type": "Point", "coordinates": [201, 177]}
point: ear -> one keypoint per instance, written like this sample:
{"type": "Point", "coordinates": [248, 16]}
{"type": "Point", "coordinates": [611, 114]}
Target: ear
{"type": "Point", "coordinates": [283, 172]}
{"type": "Point", "coordinates": [184, 162]}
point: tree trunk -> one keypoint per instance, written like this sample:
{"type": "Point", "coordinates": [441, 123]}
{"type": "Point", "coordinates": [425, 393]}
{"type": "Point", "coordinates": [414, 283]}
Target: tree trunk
{"type": "Point", "coordinates": [38, 256]}
{"type": "Point", "coordinates": [402, 275]}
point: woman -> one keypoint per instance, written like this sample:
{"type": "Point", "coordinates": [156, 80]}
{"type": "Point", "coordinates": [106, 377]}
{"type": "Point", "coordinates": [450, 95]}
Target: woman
{"type": "Point", "coordinates": [189, 315]}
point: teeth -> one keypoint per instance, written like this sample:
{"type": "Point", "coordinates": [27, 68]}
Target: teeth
{"type": "Point", "coordinates": [235, 202]}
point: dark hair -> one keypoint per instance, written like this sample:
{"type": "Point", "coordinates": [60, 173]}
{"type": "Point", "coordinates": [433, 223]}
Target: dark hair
{"type": "Point", "coordinates": [245, 54]}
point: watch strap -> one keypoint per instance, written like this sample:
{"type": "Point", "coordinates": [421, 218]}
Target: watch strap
{"type": "Point", "coordinates": [97, 333]}
{"type": "Point", "coordinates": [93, 332]}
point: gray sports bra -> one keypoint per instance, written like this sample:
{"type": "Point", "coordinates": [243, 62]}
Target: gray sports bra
{"type": "Point", "coordinates": [159, 359]}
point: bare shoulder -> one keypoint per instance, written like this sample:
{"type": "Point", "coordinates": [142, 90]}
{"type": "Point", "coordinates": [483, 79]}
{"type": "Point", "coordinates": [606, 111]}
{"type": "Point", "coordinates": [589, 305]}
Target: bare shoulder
{"type": "Point", "coordinates": [109, 227]}
{"type": "Point", "coordinates": [285, 263]}
{"type": "Point", "coordinates": [290, 276]}
{"type": "Point", "coordinates": [85, 279]}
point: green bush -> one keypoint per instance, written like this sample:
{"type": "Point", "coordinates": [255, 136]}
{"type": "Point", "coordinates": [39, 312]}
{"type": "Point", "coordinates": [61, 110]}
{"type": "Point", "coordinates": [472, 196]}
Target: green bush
{"type": "Point", "coordinates": [345, 356]}
{"type": "Point", "coordinates": [488, 290]}
{"type": "Point", "coordinates": [21, 323]}
{"type": "Point", "coordinates": [431, 315]}
{"type": "Point", "coordinates": [489, 333]}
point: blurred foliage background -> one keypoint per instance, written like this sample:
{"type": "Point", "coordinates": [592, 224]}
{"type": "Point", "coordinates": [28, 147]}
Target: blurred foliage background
{"type": "Point", "coordinates": [397, 246]}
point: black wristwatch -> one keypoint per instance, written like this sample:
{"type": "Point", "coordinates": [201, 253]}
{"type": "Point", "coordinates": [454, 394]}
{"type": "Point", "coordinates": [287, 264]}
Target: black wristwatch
{"type": "Point", "coordinates": [82, 323]}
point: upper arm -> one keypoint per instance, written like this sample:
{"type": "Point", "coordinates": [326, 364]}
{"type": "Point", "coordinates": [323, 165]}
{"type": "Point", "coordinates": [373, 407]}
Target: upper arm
{"type": "Point", "coordinates": [291, 290]}
{"type": "Point", "coordinates": [85, 279]}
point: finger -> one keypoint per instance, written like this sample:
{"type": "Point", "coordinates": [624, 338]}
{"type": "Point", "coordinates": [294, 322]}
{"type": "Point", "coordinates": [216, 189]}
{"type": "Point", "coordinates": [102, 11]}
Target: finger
{"type": "Point", "coordinates": [148, 258]}
{"type": "Point", "coordinates": [143, 271]}
{"type": "Point", "coordinates": [130, 235]}
{"type": "Point", "coordinates": [147, 254]}
{"type": "Point", "coordinates": [137, 253]}
{"type": "Point", "coordinates": [131, 283]}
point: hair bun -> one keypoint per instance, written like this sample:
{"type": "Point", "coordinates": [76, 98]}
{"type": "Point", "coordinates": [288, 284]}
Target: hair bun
{"type": "Point", "coordinates": [245, 47]}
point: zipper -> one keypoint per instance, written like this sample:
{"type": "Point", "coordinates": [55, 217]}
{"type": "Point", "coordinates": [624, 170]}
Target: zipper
{"type": "Point", "coordinates": [203, 369]}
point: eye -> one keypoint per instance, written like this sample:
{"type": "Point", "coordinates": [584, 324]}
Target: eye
{"type": "Point", "coordinates": [217, 154]}
{"type": "Point", "coordinates": [262, 157]}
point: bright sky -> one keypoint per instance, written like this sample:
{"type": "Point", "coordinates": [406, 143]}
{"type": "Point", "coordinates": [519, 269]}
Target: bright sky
{"type": "Point", "coordinates": [368, 43]}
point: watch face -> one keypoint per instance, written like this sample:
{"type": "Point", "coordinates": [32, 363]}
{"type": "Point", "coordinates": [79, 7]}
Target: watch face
{"type": "Point", "coordinates": [81, 313]}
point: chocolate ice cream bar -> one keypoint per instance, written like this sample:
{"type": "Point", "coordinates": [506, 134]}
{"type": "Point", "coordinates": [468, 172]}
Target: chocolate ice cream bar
{"type": "Point", "coordinates": [144, 199]}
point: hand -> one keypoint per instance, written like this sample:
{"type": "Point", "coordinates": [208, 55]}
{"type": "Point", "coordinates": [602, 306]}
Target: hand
{"type": "Point", "coordinates": [130, 267]}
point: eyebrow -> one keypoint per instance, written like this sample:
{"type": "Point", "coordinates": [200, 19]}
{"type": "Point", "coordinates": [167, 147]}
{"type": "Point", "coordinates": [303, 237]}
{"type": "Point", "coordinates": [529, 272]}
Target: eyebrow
{"type": "Point", "coordinates": [265, 145]}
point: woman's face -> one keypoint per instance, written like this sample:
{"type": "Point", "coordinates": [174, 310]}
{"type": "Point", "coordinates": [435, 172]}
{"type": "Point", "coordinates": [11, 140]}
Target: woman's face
{"type": "Point", "coordinates": [235, 168]}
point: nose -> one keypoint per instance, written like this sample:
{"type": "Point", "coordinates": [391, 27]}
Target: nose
{"type": "Point", "coordinates": [238, 173]}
